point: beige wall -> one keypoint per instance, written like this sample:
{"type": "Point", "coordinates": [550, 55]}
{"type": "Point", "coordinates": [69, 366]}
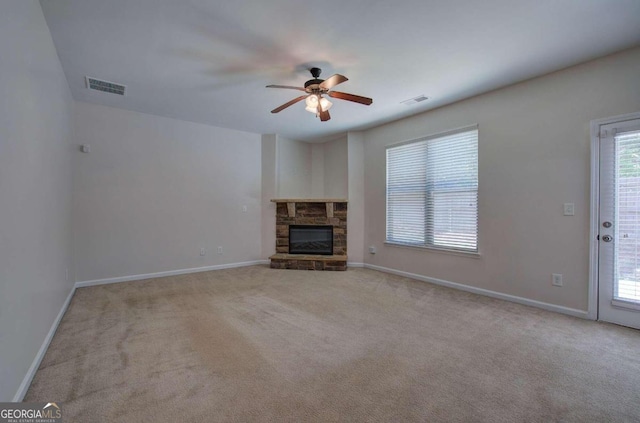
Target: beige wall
{"type": "Point", "coordinates": [534, 155]}
{"type": "Point", "coordinates": [356, 212]}
{"type": "Point", "coordinates": [269, 181]}
{"type": "Point", "coordinates": [35, 189]}
{"type": "Point", "coordinates": [153, 191]}
{"type": "Point", "coordinates": [317, 171]}
{"type": "Point", "coordinates": [336, 180]}
{"type": "Point", "coordinates": [293, 168]}
{"type": "Point", "coordinates": [311, 170]}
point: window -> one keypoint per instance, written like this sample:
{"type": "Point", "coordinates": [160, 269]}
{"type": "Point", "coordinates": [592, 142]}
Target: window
{"type": "Point", "coordinates": [432, 192]}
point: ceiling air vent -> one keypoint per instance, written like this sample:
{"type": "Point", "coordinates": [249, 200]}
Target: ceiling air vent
{"type": "Point", "coordinates": [106, 86]}
{"type": "Point", "coordinates": [415, 100]}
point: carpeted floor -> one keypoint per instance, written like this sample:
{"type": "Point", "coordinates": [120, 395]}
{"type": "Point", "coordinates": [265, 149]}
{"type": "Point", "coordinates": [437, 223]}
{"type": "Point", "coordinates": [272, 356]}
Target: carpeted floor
{"type": "Point", "coordinates": [256, 344]}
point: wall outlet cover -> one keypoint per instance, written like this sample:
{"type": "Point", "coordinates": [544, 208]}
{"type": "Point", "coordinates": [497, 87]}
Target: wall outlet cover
{"type": "Point", "coordinates": [569, 209]}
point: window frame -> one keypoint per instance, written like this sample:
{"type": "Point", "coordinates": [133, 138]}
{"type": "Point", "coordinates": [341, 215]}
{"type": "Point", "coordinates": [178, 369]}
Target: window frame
{"type": "Point", "coordinates": [429, 235]}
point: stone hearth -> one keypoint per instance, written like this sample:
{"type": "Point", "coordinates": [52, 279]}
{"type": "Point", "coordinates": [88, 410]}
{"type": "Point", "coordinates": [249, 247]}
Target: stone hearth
{"type": "Point", "coordinates": [328, 211]}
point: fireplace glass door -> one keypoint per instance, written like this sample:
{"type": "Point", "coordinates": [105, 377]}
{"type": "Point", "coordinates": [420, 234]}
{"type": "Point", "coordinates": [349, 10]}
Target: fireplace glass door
{"type": "Point", "coordinates": [311, 239]}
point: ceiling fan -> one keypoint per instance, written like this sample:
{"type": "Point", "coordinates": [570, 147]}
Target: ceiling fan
{"type": "Point", "coordinates": [315, 89]}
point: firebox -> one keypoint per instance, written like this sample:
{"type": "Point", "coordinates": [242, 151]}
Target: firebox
{"type": "Point", "coordinates": [311, 239]}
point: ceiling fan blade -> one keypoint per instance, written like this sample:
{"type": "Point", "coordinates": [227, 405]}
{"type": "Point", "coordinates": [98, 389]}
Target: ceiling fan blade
{"type": "Point", "coordinates": [287, 87]}
{"type": "Point", "coordinates": [332, 81]}
{"type": "Point", "coordinates": [325, 116]}
{"type": "Point", "coordinates": [285, 105]}
{"type": "Point", "coordinates": [350, 97]}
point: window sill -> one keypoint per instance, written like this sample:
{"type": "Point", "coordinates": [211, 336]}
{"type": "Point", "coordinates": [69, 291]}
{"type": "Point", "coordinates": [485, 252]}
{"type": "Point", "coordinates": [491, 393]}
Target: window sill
{"type": "Point", "coordinates": [467, 254]}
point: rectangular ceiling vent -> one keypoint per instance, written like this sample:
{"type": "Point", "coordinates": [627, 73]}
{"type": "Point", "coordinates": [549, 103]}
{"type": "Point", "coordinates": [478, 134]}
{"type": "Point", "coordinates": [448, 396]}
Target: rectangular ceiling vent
{"type": "Point", "coordinates": [415, 100]}
{"type": "Point", "coordinates": [105, 86]}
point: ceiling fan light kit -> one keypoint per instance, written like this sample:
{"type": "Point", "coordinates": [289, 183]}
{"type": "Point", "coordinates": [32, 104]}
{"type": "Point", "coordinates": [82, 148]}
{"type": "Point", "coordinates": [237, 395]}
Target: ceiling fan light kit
{"type": "Point", "coordinates": [315, 89]}
{"type": "Point", "coordinates": [312, 103]}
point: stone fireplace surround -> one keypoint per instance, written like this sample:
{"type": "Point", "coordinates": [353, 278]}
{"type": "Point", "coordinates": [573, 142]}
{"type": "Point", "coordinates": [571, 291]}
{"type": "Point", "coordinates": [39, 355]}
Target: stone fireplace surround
{"type": "Point", "coordinates": [305, 211]}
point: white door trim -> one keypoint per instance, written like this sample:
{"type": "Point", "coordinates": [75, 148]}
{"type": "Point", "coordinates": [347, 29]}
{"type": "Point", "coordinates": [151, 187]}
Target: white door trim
{"type": "Point", "coordinates": [592, 310]}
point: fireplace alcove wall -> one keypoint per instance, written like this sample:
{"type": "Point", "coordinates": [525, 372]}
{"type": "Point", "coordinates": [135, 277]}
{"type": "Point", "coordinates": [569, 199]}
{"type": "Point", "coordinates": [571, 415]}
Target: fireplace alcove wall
{"type": "Point", "coordinates": [310, 212]}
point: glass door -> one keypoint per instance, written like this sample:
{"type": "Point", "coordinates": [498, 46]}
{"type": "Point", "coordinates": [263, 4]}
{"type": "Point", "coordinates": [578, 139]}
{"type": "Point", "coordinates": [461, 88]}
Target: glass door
{"type": "Point", "coordinates": [619, 220]}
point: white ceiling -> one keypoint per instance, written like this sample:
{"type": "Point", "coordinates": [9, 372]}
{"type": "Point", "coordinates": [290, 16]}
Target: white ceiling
{"type": "Point", "coordinates": [209, 61]}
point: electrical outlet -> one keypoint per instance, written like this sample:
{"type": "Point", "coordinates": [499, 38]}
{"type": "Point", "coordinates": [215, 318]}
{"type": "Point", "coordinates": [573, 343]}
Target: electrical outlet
{"type": "Point", "coordinates": [372, 249]}
{"type": "Point", "coordinates": [244, 209]}
{"type": "Point", "coordinates": [220, 250]}
{"type": "Point", "coordinates": [556, 279]}
{"type": "Point", "coordinates": [203, 251]}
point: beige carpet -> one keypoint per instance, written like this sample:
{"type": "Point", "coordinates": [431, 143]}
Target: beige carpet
{"type": "Point", "coordinates": [256, 344]}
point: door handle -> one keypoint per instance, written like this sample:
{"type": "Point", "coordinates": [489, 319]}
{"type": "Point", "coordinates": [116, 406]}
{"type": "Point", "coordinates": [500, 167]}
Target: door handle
{"type": "Point", "coordinates": [607, 238]}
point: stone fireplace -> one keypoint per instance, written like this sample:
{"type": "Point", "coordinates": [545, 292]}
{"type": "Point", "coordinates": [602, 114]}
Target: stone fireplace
{"type": "Point", "coordinates": [319, 229]}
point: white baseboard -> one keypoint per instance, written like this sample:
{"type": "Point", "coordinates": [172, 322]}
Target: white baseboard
{"type": "Point", "coordinates": [354, 264]}
{"type": "Point", "coordinates": [493, 294]}
{"type": "Point", "coordinates": [167, 273]}
{"type": "Point", "coordinates": [26, 381]}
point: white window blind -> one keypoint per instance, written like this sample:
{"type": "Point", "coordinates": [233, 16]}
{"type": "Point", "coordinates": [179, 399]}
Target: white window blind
{"type": "Point", "coordinates": [627, 209]}
{"type": "Point", "coordinates": [432, 192]}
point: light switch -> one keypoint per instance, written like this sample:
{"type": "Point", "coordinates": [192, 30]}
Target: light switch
{"type": "Point", "coordinates": [569, 209]}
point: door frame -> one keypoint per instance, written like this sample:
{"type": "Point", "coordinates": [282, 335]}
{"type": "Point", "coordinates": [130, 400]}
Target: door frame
{"type": "Point", "coordinates": [592, 308]}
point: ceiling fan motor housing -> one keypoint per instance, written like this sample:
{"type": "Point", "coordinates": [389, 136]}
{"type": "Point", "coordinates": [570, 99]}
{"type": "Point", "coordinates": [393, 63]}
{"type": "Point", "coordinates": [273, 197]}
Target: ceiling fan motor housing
{"type": "Point", "coordinates": [312, 85]}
